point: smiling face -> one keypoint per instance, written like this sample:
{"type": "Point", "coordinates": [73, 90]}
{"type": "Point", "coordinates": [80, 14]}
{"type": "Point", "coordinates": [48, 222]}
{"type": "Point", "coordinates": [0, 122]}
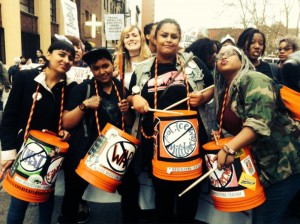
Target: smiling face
{"type": "Point", "coordinates": [102, 70]}
{"type": "Point", "coordinates": [167, 40]}
{"type": "Point", "coordinates": [256, 47]}
{"type": "Point", "coordinates": [78, 54]}
{"type": "Point", "coordinates": [132, 40]}
{"type": "Point", "coordinates": [228, 62]}
{"type": "Point", "coordinates": [60, 61]}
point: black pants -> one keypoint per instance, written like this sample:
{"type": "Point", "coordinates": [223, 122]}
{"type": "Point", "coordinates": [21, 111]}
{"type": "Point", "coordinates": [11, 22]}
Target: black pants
{"type": "Point", "coordinates": [74, 189]}
{"type": "Point", "coordinates": [167, 201]}
{"type": "Point", "coordinates": [129, 190]}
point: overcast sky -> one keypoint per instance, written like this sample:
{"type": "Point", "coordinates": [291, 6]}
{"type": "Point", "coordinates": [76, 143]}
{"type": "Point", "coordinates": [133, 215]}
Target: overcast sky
{"type": "Point", "coordinates": [210, 13]}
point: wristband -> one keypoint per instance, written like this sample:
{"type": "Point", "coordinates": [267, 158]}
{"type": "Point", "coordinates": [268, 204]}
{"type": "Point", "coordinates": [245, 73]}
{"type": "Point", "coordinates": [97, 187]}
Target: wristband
{"type": "Point", "coordinates": [229, 150]}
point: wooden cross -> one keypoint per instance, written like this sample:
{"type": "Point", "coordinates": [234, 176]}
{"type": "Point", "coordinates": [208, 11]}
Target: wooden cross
{"type": "Point", "coordinates": [94, 24]}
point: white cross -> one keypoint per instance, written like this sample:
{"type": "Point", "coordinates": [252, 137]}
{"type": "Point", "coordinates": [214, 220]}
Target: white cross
{"type": "Point", "coordinates": [94, 24]}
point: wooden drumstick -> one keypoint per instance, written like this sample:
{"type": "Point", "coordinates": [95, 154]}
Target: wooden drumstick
{"type": "Point", "coordinates": [164, 111]}
{"type": "Point", "coordinates": [185, 99]}
{"type": "Point", "coordinates": [197, 181]}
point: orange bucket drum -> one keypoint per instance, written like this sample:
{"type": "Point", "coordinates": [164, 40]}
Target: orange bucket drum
{"type": "Point", "coordinates": [34, 172]}
{"type": "Point", "coordinates": [176, 147]}
{"type": "Point", "coordinates": [236, 188]}
{"type": "Point", "coordinates": [108, 158]}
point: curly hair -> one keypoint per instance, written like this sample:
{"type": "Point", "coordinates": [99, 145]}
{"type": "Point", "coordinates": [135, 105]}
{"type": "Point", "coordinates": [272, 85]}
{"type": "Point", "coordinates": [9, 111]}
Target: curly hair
{"type": "Point", "coordinates": [246, 37]}
{"type": "Point", "coordinates": [202, 48]}
{"type": "Point", "coordinates": [144, 51]}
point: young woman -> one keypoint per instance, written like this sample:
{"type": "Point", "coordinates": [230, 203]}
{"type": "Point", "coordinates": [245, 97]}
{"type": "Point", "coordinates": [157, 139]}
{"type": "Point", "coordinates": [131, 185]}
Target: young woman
{"type": "Point", "coordinates": [286, 46]}
{"type": "Point", "coordinates": [252, 114]}
{"type": "Point", "coordinates": [147, 93]}
{"type": "Point", "coordinates": [133, 44]}
{"type": "Point", "coordinates": [102, 93]}
{"type": "Point", "coordinates": [253, 43]}
{"type": "Point", "coordinates": [53, 88]}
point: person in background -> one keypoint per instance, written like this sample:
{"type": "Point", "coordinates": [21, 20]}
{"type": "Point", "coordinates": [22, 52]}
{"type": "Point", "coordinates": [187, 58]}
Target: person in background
{"type": "Point", "coordinates": [79, 49]}
{"type": "Point", "coordinates": [79, 118]}
{"type": "Point", "coordinates": [39, 52]}
{"type": "Point", "coordinates": [4, 84]}
{"type": "Point", "coordinates": [253, 42]}
{"type": "Point", "coordinates": [145, 95]}
{"type": "Point", "coordinates": [254, 117]}
{"type": "Point", "coordinates": [227, 40]}
{"type": "Point", "coordinates": [53, 88]}
{"type": "Point", "coordinates": [149, 31]}
{"type": "Point", "coordinates": [14, 69]}
{"type": "Point", "coordinates": [42, 59]}
{"type": "Point", "coordinates": [133, 44]}
{"type": "Point", "coordinates": [286, 46]}
{"type": "Point", "coordinates": [206, 50]}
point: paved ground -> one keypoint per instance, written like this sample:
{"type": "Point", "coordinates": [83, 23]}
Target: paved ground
{"type": "Point", "coordinates": [101, 213]}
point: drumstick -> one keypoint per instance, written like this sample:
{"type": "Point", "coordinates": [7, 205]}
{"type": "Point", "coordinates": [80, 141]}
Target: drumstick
{"type": "Point", "coordinates": [164, 111]}
{"type": "Point", "coordinates": [185, 99]}
{"type": "Point", "coordinates": [197, 181]}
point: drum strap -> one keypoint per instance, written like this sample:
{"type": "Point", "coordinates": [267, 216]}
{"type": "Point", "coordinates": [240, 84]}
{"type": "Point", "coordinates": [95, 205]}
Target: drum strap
{"type": "Point", "coordinates": [88, 91]}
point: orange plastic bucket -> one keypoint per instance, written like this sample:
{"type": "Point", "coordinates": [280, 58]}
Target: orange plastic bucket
{"type": "Point", "coordinates": [236, 188]}
{"type": "Point", "coordinates": [108, 159]}
{"type": "Point", "coordinates": [176, 156]}
{"type": "Point", "coordinates": [33, 174]}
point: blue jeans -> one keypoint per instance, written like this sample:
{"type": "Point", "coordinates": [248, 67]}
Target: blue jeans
{"type": "Point", "coordinates": [17, 210]}
{"type": "Point", "coordinates": [278, 196]}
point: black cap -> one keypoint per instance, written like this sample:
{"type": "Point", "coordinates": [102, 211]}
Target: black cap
{"type": "Point", "coordinates": [95, 54]}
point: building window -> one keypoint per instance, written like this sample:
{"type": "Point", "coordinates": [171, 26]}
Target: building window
{"type": "Point", "coordinates": [53, 11]}
{"type": "Point", "coordinates": [27, 6]}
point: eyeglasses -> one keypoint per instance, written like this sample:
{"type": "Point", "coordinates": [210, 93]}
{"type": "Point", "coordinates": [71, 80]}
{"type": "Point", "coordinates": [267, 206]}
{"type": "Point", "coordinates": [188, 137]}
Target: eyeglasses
{"type": "Point", "coordinates": [226, 54]}
{"type": "Point", "coordinates": [284, 48]}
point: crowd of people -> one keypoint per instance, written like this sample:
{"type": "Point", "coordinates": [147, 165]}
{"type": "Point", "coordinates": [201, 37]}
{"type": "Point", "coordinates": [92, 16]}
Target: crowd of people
{"type": "Point", "coordinates": [225, 83]}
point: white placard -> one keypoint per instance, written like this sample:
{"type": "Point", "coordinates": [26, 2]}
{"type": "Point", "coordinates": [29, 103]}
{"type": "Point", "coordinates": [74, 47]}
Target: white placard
{"type": "Point", "coordinates": [78, 74]}
{"type": "Point", "coordinates": [69, 11]}
{"type": "Point", "coordinates": [114, 24]}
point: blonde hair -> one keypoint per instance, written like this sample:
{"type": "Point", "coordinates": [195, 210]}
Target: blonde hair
{"type": "Point", "coordinates": [145, 52]}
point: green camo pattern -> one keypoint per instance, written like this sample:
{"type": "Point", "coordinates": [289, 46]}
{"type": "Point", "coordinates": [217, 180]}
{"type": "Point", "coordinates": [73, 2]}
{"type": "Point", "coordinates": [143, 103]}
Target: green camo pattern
{"type": "Point", "coordinates": [255, 99]}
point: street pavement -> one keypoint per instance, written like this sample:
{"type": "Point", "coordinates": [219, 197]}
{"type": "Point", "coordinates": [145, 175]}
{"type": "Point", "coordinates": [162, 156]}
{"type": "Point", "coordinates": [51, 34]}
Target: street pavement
{"type": "Point", "coordinates": [101, 213]}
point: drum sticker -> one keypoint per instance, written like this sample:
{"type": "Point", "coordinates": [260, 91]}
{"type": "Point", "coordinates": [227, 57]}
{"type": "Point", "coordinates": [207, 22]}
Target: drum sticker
{"type": "Point", "coordinates": [248, 166]}
{"type": "Point", "coordinates": [247, 181]}
{"type": "Point", "coordinates": [221, 178]}
{"type": "Point", "coordinates": [180, 139]}
{"type": "Point", "coordinates": [53, 169]}
{"type": "Point", "coordinates": [33, 158]}
{"type": "Point", "coordinates": [111, 151]}
{"type": "Point", "coordinates": [229, 194]}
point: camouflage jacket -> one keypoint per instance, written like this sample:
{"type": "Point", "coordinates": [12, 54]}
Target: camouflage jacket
{"type": "Point", "coordinates": [255, 99]}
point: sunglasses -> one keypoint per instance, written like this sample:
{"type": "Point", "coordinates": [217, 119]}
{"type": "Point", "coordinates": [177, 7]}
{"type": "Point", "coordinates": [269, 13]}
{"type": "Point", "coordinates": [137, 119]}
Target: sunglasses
{"type": "Point", "coordinates": [284, 48]}
{"type": "Point", "coordinates": [226, 54]}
